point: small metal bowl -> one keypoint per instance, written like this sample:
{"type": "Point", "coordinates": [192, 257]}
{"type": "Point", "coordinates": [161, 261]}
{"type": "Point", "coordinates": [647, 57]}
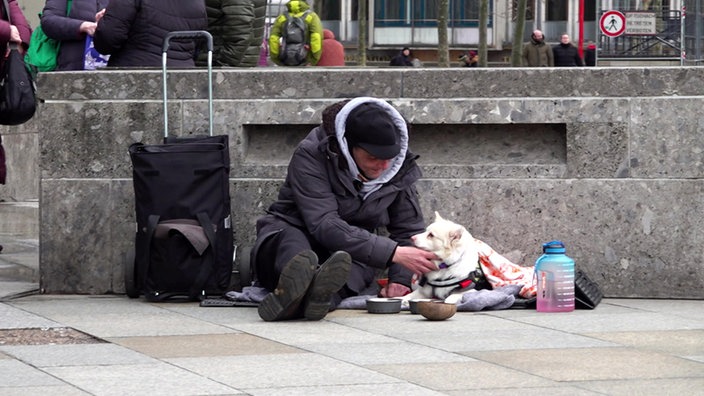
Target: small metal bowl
{"type": "Point", "coordinates": [436, 310]}
{"type": "Point", "coordinates": [384, 305]}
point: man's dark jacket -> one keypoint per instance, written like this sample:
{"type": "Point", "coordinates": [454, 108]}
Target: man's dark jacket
{"type": "Point", "coordinates": [319, 196]}
{"type": "Point", "coordinates": [237, 27]}
{"type": "Point", "coordinates": [132, 32]}
{"type": "Point", "coordinates": [566, 55]}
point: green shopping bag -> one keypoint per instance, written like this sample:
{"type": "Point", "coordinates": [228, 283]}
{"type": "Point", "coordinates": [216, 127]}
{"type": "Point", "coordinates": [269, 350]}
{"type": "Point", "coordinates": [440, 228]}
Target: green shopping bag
{"type": "Point", "coordinates": [43, 51]}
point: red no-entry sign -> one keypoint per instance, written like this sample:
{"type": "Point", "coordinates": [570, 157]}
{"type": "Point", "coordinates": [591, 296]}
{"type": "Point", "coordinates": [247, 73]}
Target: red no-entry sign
{"type": "Point", "coordinates": [612, 23]}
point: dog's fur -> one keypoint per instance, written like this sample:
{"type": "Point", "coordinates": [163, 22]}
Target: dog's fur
{"type": "Point", "coordinates": [458, 254]}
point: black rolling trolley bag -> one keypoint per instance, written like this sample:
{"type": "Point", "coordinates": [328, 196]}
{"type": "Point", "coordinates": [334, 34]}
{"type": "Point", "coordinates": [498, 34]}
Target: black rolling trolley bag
{"type": "Point", "coordinates": [184, 241]}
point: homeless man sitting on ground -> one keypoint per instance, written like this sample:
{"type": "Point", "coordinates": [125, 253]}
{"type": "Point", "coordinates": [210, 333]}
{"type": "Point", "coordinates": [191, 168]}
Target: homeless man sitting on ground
{"type": "Point", "coordinates": [350, 177]}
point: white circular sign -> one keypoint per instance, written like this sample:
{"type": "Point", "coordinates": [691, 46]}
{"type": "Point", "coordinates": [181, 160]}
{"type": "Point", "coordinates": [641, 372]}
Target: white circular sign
{"type": "Point", "coordinates": [612, 23]}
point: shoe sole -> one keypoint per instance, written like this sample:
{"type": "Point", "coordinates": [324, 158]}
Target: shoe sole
{"type": "Point", "coordinates": [293, 284]}
{"type": "Point", "coordinates": [330, 278]}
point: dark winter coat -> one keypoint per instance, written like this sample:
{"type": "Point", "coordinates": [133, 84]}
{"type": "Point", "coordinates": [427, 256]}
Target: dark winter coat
{"type": "Point", "coordinates": [65, 29]}
{"type": "Point", "coordinates": [566, 55]}
{"type": "Point", "coordinates": [132, 31]}
{"type": "Point", "coordinates": [237, 27]}
{"type": "Point", "coordinates": [590, 55]}
{"type": "Point", "coordinates": [18, 20]}
{"type": "Point", "coordinates": [402, 60]}
{"type": "Point", "coordinates": [320, 197]}
{"type": "Point", "coordinates": [25, 31]}
{"type": "Point", "coordinates": [537, 54]}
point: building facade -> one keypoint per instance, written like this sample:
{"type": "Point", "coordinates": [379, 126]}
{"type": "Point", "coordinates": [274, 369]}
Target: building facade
{"type": "Point", "coordinates": [397, 23]}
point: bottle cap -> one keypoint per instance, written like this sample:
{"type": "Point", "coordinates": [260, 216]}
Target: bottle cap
{"type": "Point", "coordinates": [554, 247]}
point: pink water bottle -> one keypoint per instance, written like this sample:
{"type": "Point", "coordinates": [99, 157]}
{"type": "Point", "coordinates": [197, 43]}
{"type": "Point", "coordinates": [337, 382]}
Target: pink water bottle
{"type": "Point", "coordinates": [554, 272]}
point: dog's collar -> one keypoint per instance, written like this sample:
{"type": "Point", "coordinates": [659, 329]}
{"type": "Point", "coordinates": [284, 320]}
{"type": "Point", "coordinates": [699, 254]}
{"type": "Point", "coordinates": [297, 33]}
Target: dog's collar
{"type": "Point", "coordinates": [458, 284]}
{"type": "Point", "coordinates": [445, 265]}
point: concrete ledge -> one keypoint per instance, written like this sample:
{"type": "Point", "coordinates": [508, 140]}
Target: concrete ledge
{"type": "Point", "coordinates": [606, 159]}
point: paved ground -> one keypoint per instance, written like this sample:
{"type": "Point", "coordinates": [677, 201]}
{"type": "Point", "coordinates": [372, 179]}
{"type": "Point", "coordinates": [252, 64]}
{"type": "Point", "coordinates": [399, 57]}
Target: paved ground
{"type": "Point", "coordinates": [112, 345]}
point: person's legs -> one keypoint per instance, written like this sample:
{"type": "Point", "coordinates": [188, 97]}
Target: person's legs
{"type": "Point", "coordinates": [275, 250]}
{"type": "Point", "coordinates": [329, 279]}
{"type": "Point", "coordinates": [285, 301]}
{"type": "Point", "coordinates": [286, 266]}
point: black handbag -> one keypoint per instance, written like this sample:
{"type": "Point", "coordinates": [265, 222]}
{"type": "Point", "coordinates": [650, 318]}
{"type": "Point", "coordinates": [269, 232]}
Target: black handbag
{"type": "Point", "coordinates": [587, 293]}
{"type": "Point", "coordinates": [17, 93]}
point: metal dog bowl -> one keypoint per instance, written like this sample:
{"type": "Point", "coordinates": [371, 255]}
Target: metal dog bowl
{"type": "Point", "coordinates": [384, 305]}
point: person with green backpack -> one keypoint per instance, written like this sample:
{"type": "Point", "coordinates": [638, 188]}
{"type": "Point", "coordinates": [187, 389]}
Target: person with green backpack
{"type": "Point", "coordinates": [59, 42]}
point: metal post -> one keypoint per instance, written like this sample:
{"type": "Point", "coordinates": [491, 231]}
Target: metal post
{"type": "Point", "coordinates": [683, 53]}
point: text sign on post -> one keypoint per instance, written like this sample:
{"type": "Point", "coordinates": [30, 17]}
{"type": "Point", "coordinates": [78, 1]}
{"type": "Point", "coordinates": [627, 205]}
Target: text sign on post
{"type": "Point", "coordinates": [641, 23]}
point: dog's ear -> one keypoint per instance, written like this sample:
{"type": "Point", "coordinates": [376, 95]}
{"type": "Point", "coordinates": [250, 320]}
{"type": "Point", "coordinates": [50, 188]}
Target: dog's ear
{"type": "Point", "coordinates": [456, 234]}
{"type": "Point", "coordinates": [437, 216]}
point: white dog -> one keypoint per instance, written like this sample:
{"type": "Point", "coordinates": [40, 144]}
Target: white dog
{"type": "Point", "coordinates": [458, 268]}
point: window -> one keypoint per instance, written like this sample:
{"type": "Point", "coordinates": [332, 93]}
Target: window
{"type": "Point", "coordinates": [556, 10]}
{"type": "Point", "coordinates": [530, 6]}
{"type": "Point", "coordinates": [424, 13]}
{"type": "Point", "coordinates": [391, 12]}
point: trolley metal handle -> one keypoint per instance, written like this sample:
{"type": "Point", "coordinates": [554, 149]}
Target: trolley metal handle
{"type": "Point", "coordinates": [192, 34]}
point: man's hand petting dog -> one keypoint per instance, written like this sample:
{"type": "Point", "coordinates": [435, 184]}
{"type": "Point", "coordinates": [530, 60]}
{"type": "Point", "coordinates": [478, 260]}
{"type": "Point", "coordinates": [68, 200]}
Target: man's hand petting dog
{"type": "Point", "coordinates": [416, 260]}
{"type": "Point", "coordinates": [394, 290]}
{"type": "Point", "coordinates": [457, 257]}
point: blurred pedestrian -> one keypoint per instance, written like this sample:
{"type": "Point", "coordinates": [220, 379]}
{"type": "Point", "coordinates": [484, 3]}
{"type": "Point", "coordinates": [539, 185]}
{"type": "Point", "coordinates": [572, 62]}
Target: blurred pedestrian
{"type": "Point", "coordinates": [237, 27]}
{"type": "Point", "coordinates": [132, 32]}
{"type": "Point", "coordinates": [17, 31]}
{"type": "Point", "coordinates": [470, 59]}
{"type": "Point", "coordinates": [71, 29]}
{"type": "Point", "coordinates": [288, 45]}
{"type": "Point", "coordinates": [536, 53]}
{"type": "Point", "coordinates": [333, 51]}
{"type": "Point", "coordinates": [403, 58]}
{"type": "Point", "coordinates": [566, 54]}
{"type": "Point", "coordinates": [590, 54]}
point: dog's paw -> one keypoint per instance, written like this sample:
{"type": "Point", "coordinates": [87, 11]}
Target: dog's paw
{"type": "Point", "coordinates": [453, 298]}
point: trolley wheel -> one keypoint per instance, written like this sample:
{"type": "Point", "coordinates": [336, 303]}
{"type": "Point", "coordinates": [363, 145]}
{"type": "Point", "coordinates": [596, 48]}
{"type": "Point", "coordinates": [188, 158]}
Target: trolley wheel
{"type": "Point", "coordinates": [244, 269]}
{"type": "Point", "coordinates": [130, 275]}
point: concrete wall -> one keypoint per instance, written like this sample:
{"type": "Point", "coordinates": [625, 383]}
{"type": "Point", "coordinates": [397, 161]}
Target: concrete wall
{"type": "Point", "coordinates": [609, 160]}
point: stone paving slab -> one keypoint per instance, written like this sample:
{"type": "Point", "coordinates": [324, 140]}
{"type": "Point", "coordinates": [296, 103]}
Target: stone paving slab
{"type": "Point", "coordinates": [75, 355]}
{"type": "Point", "coordinates": [590, 364]}
{"type": "Point", "coordinates": [627, 321]}
{"type": "Point", "coordinates": [14, 373]}
{"type": "Point", "coordinates": [561, 390]}
{"type": "Point", "coordinates": [11, 288]}
{"type": "Point", "coordinates": [282, 370]}
{"type": "Point", "coordinates": [203, 345]}
{"type": "Point", "coordinates": [684, 343]}
{"type": "Point", "coordinates": [347, 390]}
{"type": "Point", "coordinates": [15, 318]}
{"type": "Point", "coordinates": [372, 353]}
{"type": "Point", "coordinates": [140, 379]}
{"type": "Point", "coordinates": [530, 338]}
{"type": "Point", "coordinates": [463, 375]}
{"type": "Point", "coordinates": [659, 387]}
{"type": "Point", "coordinates": [300, 333]}
{"type": "Point", "coordinates": [59, 390]}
